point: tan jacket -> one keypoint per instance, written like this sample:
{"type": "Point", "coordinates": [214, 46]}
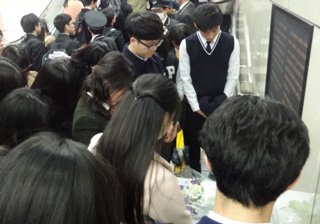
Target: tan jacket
{"type": "Point", "coordinates": [163, 200]}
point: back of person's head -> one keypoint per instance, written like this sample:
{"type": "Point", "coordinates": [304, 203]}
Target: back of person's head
{"type": "Point", "coordinates": [126, 9]}
{"type": "Point", "coordinates": [109, 13]}
{"type": "Point", "coordinates": [60, 21]}
{"type": "Point", "coordinates": [54, 81]}
{"type": "Point", "coordinates": [11, 77]}
{"type": "Point", "coordinates": [144, 26]}
{"type": "Point", "coordinates": [178, 32]}
{"type": "Point", "coordinates": [52, 180]}
{"type": "Point", "coordinates": [256, 149]}
{"type": "Point", "coordinates": [136, 132]}
{"type": "Point", "coordinates": [29, 22]}
{"type": "Point", "coordinates": [112, 73]}
{"type": "Point", "coordinates": [22, 113]}
{"type": "Point", "coordinates": [16, 54]}
{"type": "Point", "coordinates": [44, 29]}
{"type": "Point", "coordinates": [207, 16]}
{"type": "Point", "coordinates": [88, 2]}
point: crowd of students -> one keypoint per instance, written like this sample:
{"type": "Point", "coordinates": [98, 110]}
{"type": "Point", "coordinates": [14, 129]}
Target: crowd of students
{"type": "Point", "coordinates": [111, 81]}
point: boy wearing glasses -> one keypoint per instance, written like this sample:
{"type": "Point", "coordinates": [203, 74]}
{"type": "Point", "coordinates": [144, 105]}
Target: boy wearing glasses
{"type": "Point", "coordinates": [208, 73]}
{"type": "Point", "coordinates": [145, 31]}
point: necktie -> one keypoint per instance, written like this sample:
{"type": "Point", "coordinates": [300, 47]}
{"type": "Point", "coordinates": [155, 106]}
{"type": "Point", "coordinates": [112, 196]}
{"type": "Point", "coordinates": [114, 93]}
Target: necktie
{"type": "Point", "coordinates": [208, 48]}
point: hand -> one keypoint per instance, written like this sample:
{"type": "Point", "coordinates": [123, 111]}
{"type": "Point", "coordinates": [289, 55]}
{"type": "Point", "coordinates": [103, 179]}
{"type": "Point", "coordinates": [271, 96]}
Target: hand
{"type": "Point", "coordinates": [171, 133]}
{"type": "Point", "coordinates": [201, 114]}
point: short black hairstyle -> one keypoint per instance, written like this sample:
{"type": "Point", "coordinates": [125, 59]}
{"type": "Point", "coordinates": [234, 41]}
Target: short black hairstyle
{"type": "Point", "coordinates": [22, 113]}
{"type": "Point", "coordinates": [144, 26]}
{"type": "Point", "coordinates": [88, 2]}
{"type": "Point", "coordinates": [60, 21]}
{"type": "Point", "coordinates": [178, 32]}
{"type": "Point", "coordinates": [16, 54]}
{"type": "Point", "coordinates": [29, 22]}
{"type": "Point", "coordinates": [49, 179]}
{"type": "Point", "coordinates": [256, 148]}
{"type": "Point", "coordinates": [207, 16]}
{"type": "Point", "coordinates": [11, 77]}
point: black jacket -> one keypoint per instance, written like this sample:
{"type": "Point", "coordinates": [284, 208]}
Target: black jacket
{"type": "Point", "coordinates": [185, 15]}
{"type": "Point", "coordinates": [63, 41]}
{"type": "Point", "coordinates": [35, 50]}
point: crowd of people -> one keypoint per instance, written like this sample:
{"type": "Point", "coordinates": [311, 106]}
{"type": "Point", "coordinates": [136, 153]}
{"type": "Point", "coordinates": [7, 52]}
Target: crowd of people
{"type": "Point", "coordinates": [88, 117]}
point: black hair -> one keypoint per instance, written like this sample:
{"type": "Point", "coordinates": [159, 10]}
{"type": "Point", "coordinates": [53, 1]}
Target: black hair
{"type": "Point", "coordinates": [60, 21]}
{"type": "Point", "coordinates": [110, 14]}
{"type": "Point", "coordinates": [65, 3]}
{"type": "Point", "coordinates": [113, 72]}
{"type": "Point", "coordinates": [178, 32]}
{"type": "Point", "coordinates": [22, 113]}
{"type": "Point", "coordinates": [44, 29]}
{"type": "Point", "coordinates": [11, 77]}
{"type": "Point", "coordinates": [88, 2]}
{"type": "Point", "coordinates": [207, 16]}
{"type": "Point", "coordinates": [52, 180]}
{"type": "Point", "coordinates": [56, 84]}
{"type": "Point", "coordinates": [131, 138]}
{"type": "Point", "coordinates": [144, 26]}
{"type": "Point", "coordinates": [29, 22]}
{"type": "Point", "coordinates": [256, 148]}
{"type": "Point", "coordinates": [1, 34]}
{"type": "Point", "coordinates": [16, 54]}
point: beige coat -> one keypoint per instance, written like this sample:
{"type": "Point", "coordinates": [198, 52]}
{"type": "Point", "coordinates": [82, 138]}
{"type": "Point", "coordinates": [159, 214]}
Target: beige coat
{"type": "Point", "coordinates": [163, 200]}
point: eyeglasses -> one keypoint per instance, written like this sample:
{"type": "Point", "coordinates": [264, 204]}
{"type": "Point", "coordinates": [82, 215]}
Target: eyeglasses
{"type": "Point", "coordinates": [153, 46]}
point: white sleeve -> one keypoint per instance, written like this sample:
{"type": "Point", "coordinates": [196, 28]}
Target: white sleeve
{"type": "Point", "coordinates": [179, 85]}
{"type": "Point", "coordinates": [233, 70]}
{"type": "Point", "coordinates": [184, 73]}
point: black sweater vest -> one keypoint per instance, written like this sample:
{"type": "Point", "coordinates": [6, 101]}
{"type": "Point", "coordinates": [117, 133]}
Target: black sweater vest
{"type": "Point", "coordinates": [209, 71]}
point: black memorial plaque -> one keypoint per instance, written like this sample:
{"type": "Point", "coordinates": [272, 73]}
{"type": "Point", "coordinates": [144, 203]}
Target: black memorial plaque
{"type": "Point", "coordinates": [289, 51]}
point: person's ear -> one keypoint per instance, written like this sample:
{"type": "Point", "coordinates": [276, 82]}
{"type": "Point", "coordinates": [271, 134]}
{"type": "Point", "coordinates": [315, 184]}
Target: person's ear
{"type": "Point", "coordinates": [206, 161]}
{"type": "Point", "coordinates": [132, 40]}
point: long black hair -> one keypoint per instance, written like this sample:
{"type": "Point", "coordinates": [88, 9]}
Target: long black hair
{"type": "Point", "coordinates": [131, 138]}
{"type": "Point", "coordinates": [51, 180]}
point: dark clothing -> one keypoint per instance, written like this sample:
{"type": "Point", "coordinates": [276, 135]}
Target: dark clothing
{"type": "Point", "coordinates": [116, 35]}
{"type": "Point", "coordinates": [141, 66]}
{"type": "Point", "coordinates": [207, 220]}
{"type": "Point", "coordinates": [107, 40]}
{"type": "Point", "coordinates": [185, 15]}
{"type": "Point", "coordinates": [171, 64]}
{"type": "Point", "coordinates": [89, 119]}
{"type": "Point", "coordinates": [35, 49]}
{"type": "Point", "coordinates": [202, 64]}
{"type": "Point", "coordinates": [83, 34]}
{"type": "Point", "coordinates": [63, 41]}
{"type": "Point", "coordinates": [170, 22]}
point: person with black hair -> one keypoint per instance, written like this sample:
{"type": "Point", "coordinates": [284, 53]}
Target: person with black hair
{"type": "Point", "coordinates": [32, 44]}
{"type": "Point", "coordinates": [1, 41]}
{"type": "Point", "coordinates": [96, 22]}
{"type": "Point", "coordinates": [82, 33]}
{"type": "Point", "coordinates": [64, 24]}
{"type": "Point", "coordinates": [22, 113]}
{"type": "Point", "coordinates": [56, 86]}
{"type": "Point", "coordinates": [45, 34]}
{"type": "Point", "coordinates": [256, 149]}
{"type": "Point", "coordinates": [146, 35]}
{"type": "Point", "coordinates": [110, 31]}
{"type": "Point", "coordinates": [11, 77]}
{"type": "Point", "coordinates": [49, 179]}
{"type": "Point", "coordinates": [16, 54]}
{"type": "Point", "coordinates": [132, 143]}
{"type": "Point", "coordinates": [102, 91]}
{"type": "Point", "coordinates": [208, 70]}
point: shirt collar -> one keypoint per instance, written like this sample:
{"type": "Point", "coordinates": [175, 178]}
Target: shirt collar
{"type": "Point", "coordinates": [204, 41]}
{"type": "Point", "coordinates": [218, 218]}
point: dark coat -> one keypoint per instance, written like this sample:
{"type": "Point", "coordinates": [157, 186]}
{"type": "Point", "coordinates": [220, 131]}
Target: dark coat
{"type": "Point", "coordinates": [35, 50]}
{"type": "Point", "coordinates": [185, 15]}
{"type": "Point", "coordinates": [89, 119]}
{"type": "Point", "coordinates": [63, 41]}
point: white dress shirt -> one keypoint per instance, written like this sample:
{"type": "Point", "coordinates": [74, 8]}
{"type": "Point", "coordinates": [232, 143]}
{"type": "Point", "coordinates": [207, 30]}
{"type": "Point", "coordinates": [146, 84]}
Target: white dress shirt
{"type": "Point", "coordinates": [184, 80]}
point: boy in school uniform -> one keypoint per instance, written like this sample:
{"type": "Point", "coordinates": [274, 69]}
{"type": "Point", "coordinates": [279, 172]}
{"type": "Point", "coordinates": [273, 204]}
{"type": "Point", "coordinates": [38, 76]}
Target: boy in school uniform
{"type": "Point", "coordinates": [256, 149]}
{"type": "Point", "coordinates": [208, 73]}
